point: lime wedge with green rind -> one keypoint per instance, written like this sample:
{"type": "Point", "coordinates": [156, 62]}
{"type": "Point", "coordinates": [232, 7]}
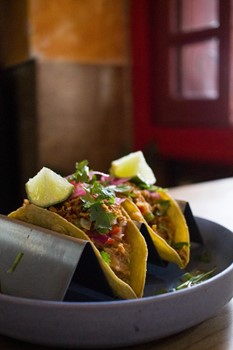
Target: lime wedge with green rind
{"type": "Point", "coordinates": [48, 188]}
{"type": "Point", "coordinates": [133, 166]}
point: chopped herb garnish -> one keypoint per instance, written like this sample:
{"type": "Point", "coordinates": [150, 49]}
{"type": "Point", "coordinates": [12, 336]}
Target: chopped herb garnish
{"type": "Point", "coordinates": [122, 188]}
{"type": "Point", "coordinates": [103, 193]}
{"type": "Point", "coordinates": [163, 206]}
{"type": "Point", "coordinates": [15, 263]}
{"type": "Point", "coordinates": [149, 217]}
{"type": "Point", "coordinates": [102, 219]}
{"type": "Point", "coordinates": [81, 173]}
{"type": "Point", "coordinates": [94, 200]}
{"type": "Point", "coordinates": [190, 279]}
{"type": "Point", "coordinates": [106, 257]}
{"type": "Point", "coordinates": [152, 188]}
{"type": "Point", "coordinates": [180, 245]}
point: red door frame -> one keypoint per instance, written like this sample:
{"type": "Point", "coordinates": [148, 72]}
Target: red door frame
{"type": "Point", "coordinates": [204, 144]}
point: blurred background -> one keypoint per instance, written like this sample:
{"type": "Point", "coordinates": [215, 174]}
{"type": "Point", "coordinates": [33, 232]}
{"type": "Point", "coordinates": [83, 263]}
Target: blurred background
{"type": "Point", "coordinates": [97, 79]}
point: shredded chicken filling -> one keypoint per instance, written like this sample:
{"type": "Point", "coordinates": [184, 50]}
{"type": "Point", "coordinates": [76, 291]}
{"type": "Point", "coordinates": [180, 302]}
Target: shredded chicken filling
{"type": "Point", "coordinates": [114, 242]}
{"type": "Point", "coordinates": [154, 210]}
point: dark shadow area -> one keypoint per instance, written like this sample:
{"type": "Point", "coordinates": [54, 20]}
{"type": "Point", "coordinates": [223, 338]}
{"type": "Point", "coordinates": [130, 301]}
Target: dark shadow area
{"type": "Point", "coordinates": [18, 133]}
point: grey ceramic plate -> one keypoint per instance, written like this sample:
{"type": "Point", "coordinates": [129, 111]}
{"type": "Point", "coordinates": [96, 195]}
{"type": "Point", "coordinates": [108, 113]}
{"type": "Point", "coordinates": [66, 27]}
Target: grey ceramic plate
{"type": "Point", "coordinates": [123, 323]}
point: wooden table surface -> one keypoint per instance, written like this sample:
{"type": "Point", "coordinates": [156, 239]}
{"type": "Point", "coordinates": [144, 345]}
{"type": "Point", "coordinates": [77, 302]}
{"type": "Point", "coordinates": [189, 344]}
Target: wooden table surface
{"type": "Point", "coordinates": [210, 200]}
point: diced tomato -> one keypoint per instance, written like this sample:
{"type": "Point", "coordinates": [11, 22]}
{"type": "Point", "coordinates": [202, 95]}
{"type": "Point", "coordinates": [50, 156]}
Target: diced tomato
{"type": "Point", "coordinates": [115, 230]}
{"type": "Point", "coordinates": [110, 241]}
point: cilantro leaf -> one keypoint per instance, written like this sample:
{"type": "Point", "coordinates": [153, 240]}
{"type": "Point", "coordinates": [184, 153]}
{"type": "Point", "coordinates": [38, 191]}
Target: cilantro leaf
{"type": "Point", "coordinates": [88, 200]}
{"type": "Point", "coordinates": [190, 279]}
{"type": "Point", "coordinates": [96, 193]}
{"type": "Point", "coordinates": [163, 206]}
{"type": "Point", "coordinates": [122, 188]}
{"type": "Point", "coordinates": [16, 262]}
{"type": "Point", "coordinates": [102, 219]}
{"type": "Point", "coordinates": [96, 199]}
{"type": "Point", "coordinates": [180, 245]}
{"type": "Point", "coordinates": [106, 257]}
{"type": "Point", "coordinates": [103, 193]}
{"type": "Point", "coordinates": [81, 173]}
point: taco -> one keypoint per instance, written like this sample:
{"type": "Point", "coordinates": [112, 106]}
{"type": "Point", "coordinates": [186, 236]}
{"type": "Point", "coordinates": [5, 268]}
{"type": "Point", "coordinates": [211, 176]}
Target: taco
{"type": "Point", "coordinates": [93, 213]}
{"type": "Point", "coordinates": [163, 218]}
{"type": "Point", "coordinates": [152, 205]}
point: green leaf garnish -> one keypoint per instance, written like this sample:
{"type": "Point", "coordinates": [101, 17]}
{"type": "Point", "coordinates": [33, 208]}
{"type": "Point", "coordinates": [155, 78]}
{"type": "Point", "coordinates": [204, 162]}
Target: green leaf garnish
{"type": "Point", "coordinates": [102, 219]}
{"type": "Point", "coordinates": [15, 263]}
{"type": "Point", "coordinates": [96, 196]}
{"type": "Point", "coordinates": [163, 207]}
{"type": "Point", "coordinates": [102, 193]}
{"type": "Point", "coordinates": [96, 193]}
{"type": "Point", "coordinates": [122, 188]}
{"type": "Point", "coordinates": [190, 279]}
{"type": "Point", "coordinates": [106, 257]}
{"type": "Point", "coordinates": [81, 173]}
{"type": "Point", "coordinates": [149, 217]}
{"type": "Point", "coordinates": [180, 245]}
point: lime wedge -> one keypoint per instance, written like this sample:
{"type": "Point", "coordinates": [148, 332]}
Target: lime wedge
{"type": "Point", "coordinates": [135, 166]}
{"type": "Point", "coordinates": [47, 188]}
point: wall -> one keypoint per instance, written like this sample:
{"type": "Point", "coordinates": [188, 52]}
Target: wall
{"type": "Point", "coordinates": [82, 77]}
{"type": "Point", "coordinates": [14, 46]}
{"type": "Point", "coordinates": [84, 114]}
{"type": "Point", "coordinates": [83, 31]}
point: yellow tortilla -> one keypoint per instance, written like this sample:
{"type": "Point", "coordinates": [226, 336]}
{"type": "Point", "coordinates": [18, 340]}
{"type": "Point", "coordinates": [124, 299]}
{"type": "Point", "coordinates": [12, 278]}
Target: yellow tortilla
{"type": "Point", "coordinates": [181, 233]}
{"type": "Point", "coordinates": [138, 259]}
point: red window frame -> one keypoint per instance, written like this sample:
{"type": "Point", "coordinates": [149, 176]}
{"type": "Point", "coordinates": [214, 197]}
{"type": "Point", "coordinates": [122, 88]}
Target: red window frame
{"type": "Point", "coordinates": [212, 143]}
